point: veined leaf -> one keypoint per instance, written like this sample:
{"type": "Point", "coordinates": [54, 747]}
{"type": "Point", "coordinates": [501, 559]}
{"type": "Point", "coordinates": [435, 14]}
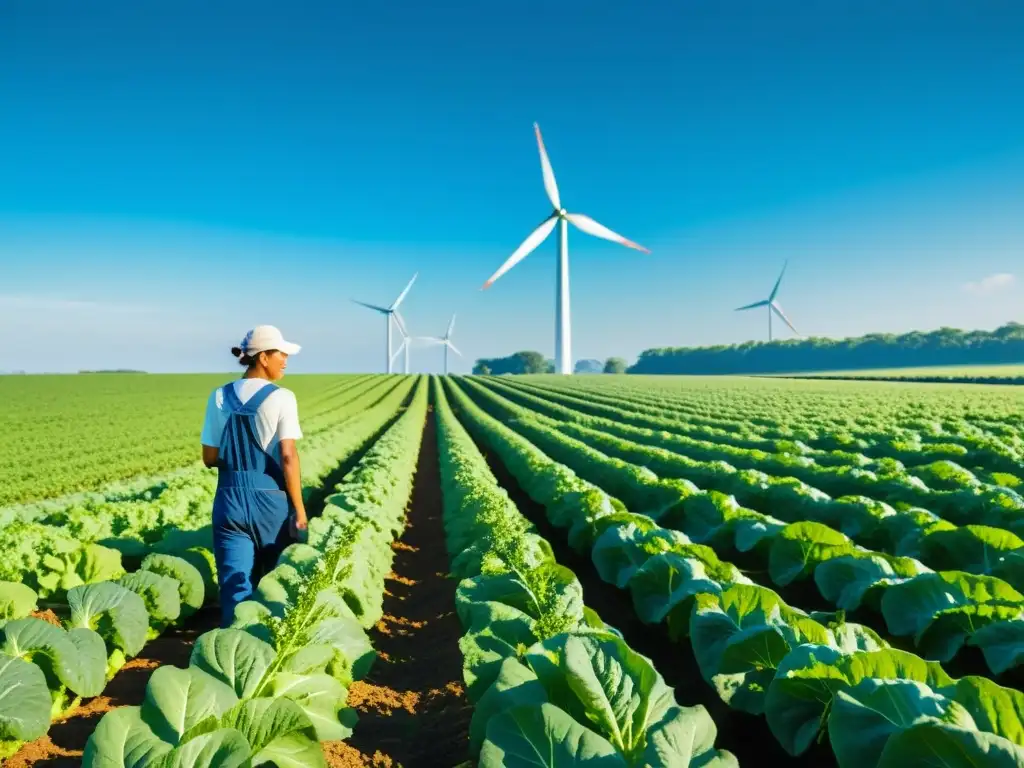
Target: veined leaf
{"type": "Point", "coordinates": [24, 700]}
{"type": "Point", "coordinates": [544, 737]}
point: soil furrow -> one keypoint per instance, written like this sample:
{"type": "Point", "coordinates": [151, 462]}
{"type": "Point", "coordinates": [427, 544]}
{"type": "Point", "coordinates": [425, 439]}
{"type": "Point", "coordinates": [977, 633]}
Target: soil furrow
{"type": "Point", "coordinates": [412, 708]}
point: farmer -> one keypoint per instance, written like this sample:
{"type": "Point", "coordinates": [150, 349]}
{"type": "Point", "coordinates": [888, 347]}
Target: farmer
{"type": "Point", "coordinates": [249, 436]}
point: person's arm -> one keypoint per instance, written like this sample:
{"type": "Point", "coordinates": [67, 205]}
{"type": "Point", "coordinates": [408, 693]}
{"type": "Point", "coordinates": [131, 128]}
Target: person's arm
{"type": "Point", "coordinates": [293, 481]}
{"type": "Point", "coordinates": [210, 455]}
{"type": "Point", "coordinates": [213, 428]}
{"type": "Point", "coordinates": [288, 431]}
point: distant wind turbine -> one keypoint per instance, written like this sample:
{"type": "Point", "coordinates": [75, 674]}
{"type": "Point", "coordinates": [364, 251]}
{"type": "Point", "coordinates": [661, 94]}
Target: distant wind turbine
{"type": "Point", "coordinates": [403, 347]}
{"type": "Point", "coordinates": [773, 305]}
{"type": "Point", "coordinates": [563, 329]}
{"type": "Point", "coordinates": [406, 345]}
{"type": "Point", "coordinates": [447, 341]}
{"type": "Point", "coordinates": [391, 312]}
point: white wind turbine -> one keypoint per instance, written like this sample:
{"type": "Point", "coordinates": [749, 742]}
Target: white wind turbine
{"type": "Point", "coordinates": [391, 312]}
{"type": "Point", "coordinates": [773, 305]}
{"type": "Point", "coordinates": [563, 329]}
{"type": "Point", "coordinates": [447, 341]}
{"type": "Point", "coordinates": [403, 347]}
{"type": "Point", "coordinates": [406, 345]}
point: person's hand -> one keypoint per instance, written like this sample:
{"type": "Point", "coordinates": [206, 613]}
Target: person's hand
{"type": "Point", "coordinates": [298, 523]}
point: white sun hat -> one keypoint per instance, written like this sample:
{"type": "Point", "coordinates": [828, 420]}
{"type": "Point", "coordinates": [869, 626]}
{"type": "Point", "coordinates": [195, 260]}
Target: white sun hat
{"type": "Point", "coordinates": [264, 338]}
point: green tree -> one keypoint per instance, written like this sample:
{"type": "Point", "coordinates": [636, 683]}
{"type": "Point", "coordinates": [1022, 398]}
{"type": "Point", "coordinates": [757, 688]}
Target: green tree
{"type": "Point", "coordinates": [519, 363]}
{"type": "Point", "coordinates": [943, 346]}
{"type": "Point", "coordinates": [615, 365]}
{"type": "Point", "coordinates": [588, 366]}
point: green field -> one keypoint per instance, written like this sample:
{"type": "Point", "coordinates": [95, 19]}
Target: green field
{"type": "Point", "coordinates": [79, 432]}
{"type": "Point", "coordinates": [980, 374]}
{"type": "Point", "coordinates": [602, 570]}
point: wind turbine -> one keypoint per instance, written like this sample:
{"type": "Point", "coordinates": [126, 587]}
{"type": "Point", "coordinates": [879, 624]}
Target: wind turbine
{"type": "Point", "coordinates": [406, 345]}
{"type": "Point", "coordinates": [773, 305]}
{"type": "Point", "coordinates": [391, 312]}
{"type": "Point", "coordinates": [447, 341]}
{"type": "Point", "coordinates": [563, 329]}
{"type": "Point", "coordinates": [403, 347]}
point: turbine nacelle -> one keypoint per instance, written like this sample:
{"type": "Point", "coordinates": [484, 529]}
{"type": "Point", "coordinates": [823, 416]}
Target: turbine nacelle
{"type": "Point", "coordinates": [558, 213]}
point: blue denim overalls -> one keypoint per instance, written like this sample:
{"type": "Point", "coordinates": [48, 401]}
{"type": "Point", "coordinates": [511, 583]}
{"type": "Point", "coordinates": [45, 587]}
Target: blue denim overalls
{"type": "Point", "coordinates": [250, 509]}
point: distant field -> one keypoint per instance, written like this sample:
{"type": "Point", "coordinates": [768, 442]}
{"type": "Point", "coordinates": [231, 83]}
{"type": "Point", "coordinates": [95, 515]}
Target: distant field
{"type": "Point", "coordinates": [78, 432]}
{"type": "Point", "coordinates": [967, 374]}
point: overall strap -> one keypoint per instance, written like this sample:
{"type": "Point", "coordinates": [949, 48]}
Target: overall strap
{"type": "Point", "coordinates": [254, 402]}
{"type": "Point", "coordinates": [231, 397]}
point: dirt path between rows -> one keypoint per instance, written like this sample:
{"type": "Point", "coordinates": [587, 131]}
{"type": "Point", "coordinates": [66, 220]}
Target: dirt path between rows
{"type": "Point", "coordinates": [62, 747]}
{"type": "Point", "coordinates": [412, 708]}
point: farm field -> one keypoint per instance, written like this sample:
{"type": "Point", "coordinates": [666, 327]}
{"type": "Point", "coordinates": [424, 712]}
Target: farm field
{"type": "Point", "coordinates": [524, 571]}
{"type": "Point", "coordinates": [81, 433]}
{"type": "Point", "coordinates": [963, 374]}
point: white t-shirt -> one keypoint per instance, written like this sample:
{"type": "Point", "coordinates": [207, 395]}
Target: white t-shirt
{"type": "Point", "coordinates": [277, 418]}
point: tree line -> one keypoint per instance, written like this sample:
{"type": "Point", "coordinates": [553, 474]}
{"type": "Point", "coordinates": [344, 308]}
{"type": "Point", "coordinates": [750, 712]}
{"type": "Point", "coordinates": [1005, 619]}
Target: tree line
{"type": "Point", "coordinates": [945, 346]}
{"type": "Point", "coordinates": [535, 362]}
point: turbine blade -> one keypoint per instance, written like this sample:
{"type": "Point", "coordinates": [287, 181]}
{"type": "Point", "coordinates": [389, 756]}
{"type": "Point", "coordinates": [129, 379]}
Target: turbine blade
{"type": "Point", "coordinates": [775, 290]}
{"type": "Point", "coordinates": [430, 339]}
{"type": "Point", "coordinates": [398, 351]}
{"type": "Point", "coordinates": [549, 174]}
{"type": "Point", "coordinates": [403, 293]}
{"type": "Point", "coordinates": [751, 306]}
{"type": "Point", "coordinates": [535, 238]}
{"type": "Point", "coordinates": [453, 349]}
{"type": "Point", "coordinates": [370, 306]}
{"type": "Point", "coordinates": [591, 227]}
{"type": "Point", "coordinates": [778, 311]}
{"type": "Point", "coordinates": [400, 323]}
{"type": "Point", "coordinates": [451, 327]}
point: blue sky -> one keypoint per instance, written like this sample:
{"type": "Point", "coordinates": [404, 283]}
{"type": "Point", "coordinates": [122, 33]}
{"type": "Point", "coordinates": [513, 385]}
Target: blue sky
{"type": "Point", "coordinates": [173, 173]}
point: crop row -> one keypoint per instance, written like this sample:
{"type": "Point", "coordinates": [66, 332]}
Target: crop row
{"type": "Point", "coordinates": [274, 685]}
{"type": "Point", "coordinates": [878, 705]}
{"type": "Point", "coordinates": [839, 467]}
{"type": "Point", "coordinates": [833, 470]}
{"type": "Point", "coordinates": [902, 529]}
{"type": "Point", "coordinates": [546, 675]}
{"type": "Point", "coordinates": [46, 668]}
{"type": "Point", "coordinates": [961, 443]}
{"type": "Point", "coordinates": [939, 611]}
{"type": "Point", "coordinates": [780, 408]}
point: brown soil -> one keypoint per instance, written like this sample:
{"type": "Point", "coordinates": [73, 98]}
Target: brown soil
{"type": "Point", "coordinates": [412, 708]}
{"type": "Point", "coordinates": [62, 747]}
{"type": "Point", "coordinates": [48, 616]}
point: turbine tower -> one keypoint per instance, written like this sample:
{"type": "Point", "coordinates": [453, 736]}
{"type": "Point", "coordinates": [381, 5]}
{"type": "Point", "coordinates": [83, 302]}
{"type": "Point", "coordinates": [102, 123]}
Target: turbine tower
{"type": "Point", "coordinates": [563, 329]}
{"type": "Point", "coordinates": [447, 341]}
{"type": "Point", "coordinates": [391, 312]}
{"type": "Point", "coordinates": [403, 347]}
{"type": "Point", "coordinates": [773, 305]}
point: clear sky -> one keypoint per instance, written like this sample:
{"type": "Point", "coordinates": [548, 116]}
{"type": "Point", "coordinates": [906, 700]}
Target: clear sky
{"type": "Point", "coordinates": [172, 173]}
